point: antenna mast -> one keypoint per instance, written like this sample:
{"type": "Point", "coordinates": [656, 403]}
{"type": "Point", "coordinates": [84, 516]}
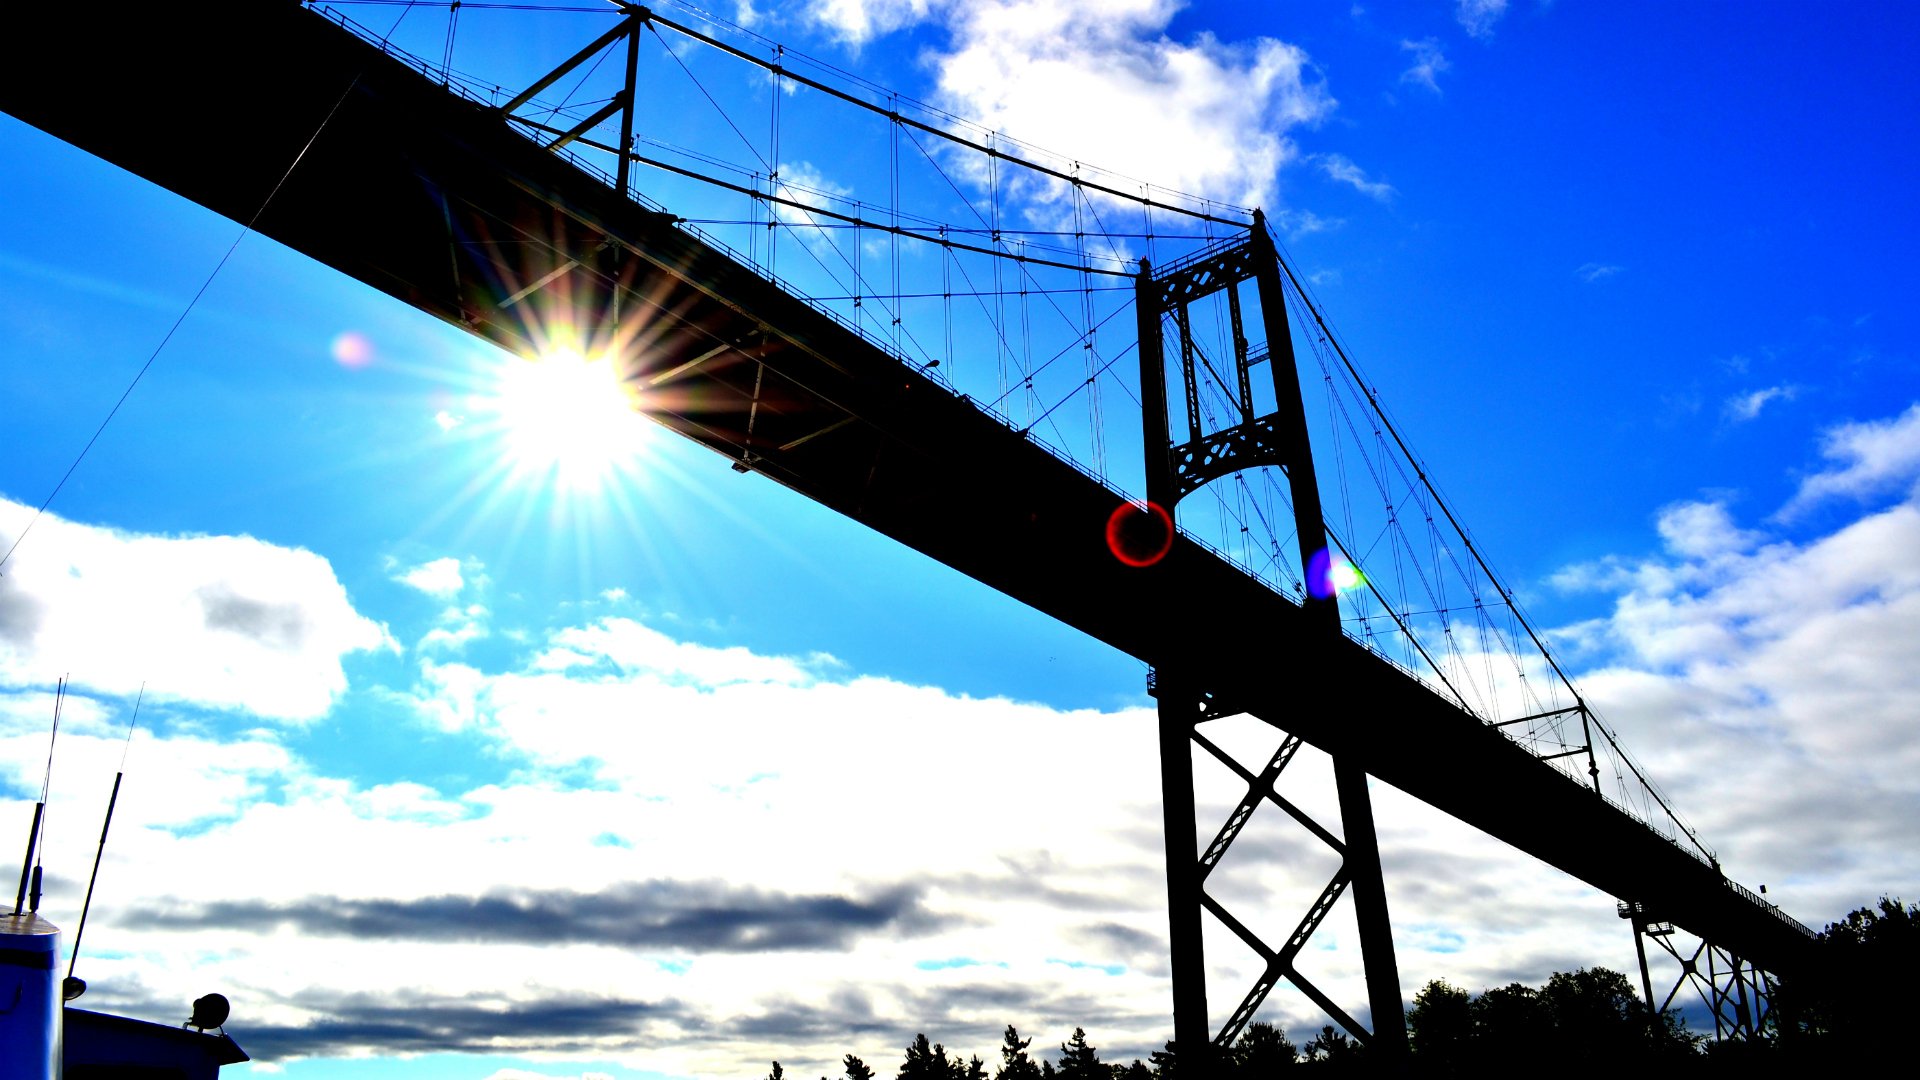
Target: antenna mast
{"type": "Point", "coordinates": [74, 957]}
{"type": "Point", "coordinates": [30, 866]}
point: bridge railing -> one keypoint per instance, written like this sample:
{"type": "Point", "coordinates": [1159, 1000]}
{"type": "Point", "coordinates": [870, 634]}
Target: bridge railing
{"type": "Point", "coordinates": [1770, 907]}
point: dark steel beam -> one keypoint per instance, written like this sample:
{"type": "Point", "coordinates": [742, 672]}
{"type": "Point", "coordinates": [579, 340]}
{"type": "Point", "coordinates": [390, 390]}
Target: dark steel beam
{"type": "Point", "coordinates": [1181, 704]}
{"type": "Point", "coordinates": [622, 27]}
{"type": "Point", "coordinates": [592, 121]}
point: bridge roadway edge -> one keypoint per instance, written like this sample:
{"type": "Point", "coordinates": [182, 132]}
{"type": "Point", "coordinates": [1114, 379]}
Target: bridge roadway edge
{"type": "Point", "coordinates": [433, 200]}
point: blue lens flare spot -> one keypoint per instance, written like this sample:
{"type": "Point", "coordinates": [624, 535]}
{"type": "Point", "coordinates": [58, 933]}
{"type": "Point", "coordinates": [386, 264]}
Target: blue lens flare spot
{"type": "Point", "coordinates": [1328, 577]}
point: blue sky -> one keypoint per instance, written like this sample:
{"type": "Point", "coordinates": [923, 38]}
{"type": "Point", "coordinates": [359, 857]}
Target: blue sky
{"type": "Point", "coordinates": [1635, 279]}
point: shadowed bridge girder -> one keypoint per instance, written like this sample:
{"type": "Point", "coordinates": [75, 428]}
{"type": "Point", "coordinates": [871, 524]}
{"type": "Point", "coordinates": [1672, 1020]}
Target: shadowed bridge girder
{"type": "Point", "coordinates": [434, 200]}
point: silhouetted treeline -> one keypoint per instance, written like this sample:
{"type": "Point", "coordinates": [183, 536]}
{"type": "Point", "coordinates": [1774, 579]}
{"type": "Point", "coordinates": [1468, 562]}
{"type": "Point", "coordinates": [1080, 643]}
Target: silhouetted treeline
{"type": "Point", "coordinates": [1513, 1029]}
{"type": "Point", "coordinates": [1847, 1012]}
{"type": "Point", "coordinates": [1260, 1049]}
{"type": "Point", "coordinates": [1853, 1010]}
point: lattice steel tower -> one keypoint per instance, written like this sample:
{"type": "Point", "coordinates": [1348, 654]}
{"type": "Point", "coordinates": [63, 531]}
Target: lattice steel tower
{"type": "Point", "coordinates": [1249, 438]}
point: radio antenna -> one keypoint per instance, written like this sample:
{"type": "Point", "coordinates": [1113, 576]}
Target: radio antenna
{"type": "Point", "coordinates": [112, 799]}
{"type": "Point", "coordinates": [30, 866]}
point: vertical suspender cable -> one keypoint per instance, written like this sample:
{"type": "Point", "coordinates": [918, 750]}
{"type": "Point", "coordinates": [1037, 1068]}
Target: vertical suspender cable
{"type": "Point", "coordinates": [772, 179]}
{"type": "Point", "coordinates": [893, 237]}
{"type": "Point", "coordinates": [446, 58]}
{"type": "Point", "coordinates": [999, 297]}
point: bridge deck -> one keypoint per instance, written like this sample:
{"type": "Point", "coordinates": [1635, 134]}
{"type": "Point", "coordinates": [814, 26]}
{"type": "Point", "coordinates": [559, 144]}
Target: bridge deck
{"type": "Point", "coordinates": [434, 200]}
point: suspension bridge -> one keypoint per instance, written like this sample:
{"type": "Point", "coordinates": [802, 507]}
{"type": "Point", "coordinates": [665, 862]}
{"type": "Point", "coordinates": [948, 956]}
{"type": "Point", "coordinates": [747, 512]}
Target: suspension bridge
{"type": "Point", "coordinates": [1111, 401]}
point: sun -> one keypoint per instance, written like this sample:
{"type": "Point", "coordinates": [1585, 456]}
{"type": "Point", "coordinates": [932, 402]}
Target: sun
{"type": "Point", "coordinates": [559, 443]}
{"type": "Point", "coordinates": [566, 417]}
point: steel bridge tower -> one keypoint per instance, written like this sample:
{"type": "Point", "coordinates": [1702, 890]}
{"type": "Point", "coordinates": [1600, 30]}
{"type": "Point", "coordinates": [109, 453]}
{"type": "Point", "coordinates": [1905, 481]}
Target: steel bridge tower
{"type": "Point", "coordinates": [1249, 439]}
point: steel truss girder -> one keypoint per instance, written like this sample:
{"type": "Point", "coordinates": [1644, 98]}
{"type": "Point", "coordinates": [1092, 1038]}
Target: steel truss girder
{"type": "Point", "coordinates": [1280, 965]}
{"type": "Point", "coordinates": [1279, 962]}
{"type": "Point", "coordinates": [1737, 993]}
{"type": "Point", "coordinates": [1181, 283]}
{"type": "Point", "coordinates": [1245, 445]}
{"type": "Point", "coordinates": [1261, 787]}
{"type": "Point", "coordinates": [1250, 441]}
{"type": "Point", "coordinates": [635, 19]}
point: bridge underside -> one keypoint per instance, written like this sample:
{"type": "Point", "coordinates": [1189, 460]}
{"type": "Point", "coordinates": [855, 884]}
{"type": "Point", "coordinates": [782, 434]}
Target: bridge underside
{"type": "Point", "coordinates": [435, 201]}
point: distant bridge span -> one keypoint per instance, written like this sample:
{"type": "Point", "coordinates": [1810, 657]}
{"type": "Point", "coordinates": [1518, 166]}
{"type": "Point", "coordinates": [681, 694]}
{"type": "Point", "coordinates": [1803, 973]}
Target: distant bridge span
{"type": "Point", "coordinates": [437, 201]}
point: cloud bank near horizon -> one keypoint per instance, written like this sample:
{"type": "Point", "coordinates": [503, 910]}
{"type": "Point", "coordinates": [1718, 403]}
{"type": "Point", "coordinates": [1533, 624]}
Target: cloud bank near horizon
{"type": "Point", "coordinates": [728, 839]}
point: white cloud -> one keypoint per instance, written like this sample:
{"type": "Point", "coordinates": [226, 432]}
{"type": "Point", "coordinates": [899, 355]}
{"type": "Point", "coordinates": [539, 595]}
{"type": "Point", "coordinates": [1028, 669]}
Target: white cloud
{"type": "Point", "coordinates": [857, 22]}
{"type": "Point", "coordinates": [439, 578]}
{"type": "Point", "coordinates": [1767, 683]}
{"type": "Point", "coordinates": [1031, 834]}
{"type": "Point", "coordinates": [1477, 17]}
{"type": "Point", "coordinates": [173, 782]}
{"type": "Point", "coordinates": [1100, 81]}
{"type": "Point", "coordinates": [1299, 223]}
{"type": "Point", "coordinates": [1592, 272]}
{"type": "Point", "coordinates": [457, 625]}
{"type": "Point", "coordinates": [454, 633]}
{"type": "Point", "coordinates": [1867, 458]}
{"type": "Point", "coordinates": [632, 647]}
{"type": "Point", "coordinates": [1741, 408]}
{"type": "Point", "coordinates": [1339, 168]}
{"type": "Point", "coordinates": [1702, 530]}
{"type": "Point", "coordinates": [226, 621]}
{"type": "Point", "coordinates": [801, 182]}
{"type": "Point", "coordinates": [1024, 829]}
{"type": "Point", "coordinates": [1429, 60]}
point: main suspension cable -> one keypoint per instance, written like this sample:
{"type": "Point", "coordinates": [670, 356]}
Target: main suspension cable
{"type": "Point", "coordinates": [779, 70]}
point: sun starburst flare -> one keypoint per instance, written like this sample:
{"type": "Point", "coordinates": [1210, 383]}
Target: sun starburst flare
{"type": "Point", "coordinates": [566, 416]}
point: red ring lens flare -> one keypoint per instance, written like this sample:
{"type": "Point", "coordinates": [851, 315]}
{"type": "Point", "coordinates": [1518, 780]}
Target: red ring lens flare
{"type": "Point", "coordinates": [1139, 533]}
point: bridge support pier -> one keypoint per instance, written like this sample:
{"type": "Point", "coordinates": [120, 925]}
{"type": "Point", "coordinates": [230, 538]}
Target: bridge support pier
{"type": "Point", "coordinates": [1252, 437]}
{"type": "Point", "coordinates": [1737, 993]}
{"type": "Point", "coordinates": [1179, 711]}
{"type": "Point", "coordinates": [1370, 912]}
